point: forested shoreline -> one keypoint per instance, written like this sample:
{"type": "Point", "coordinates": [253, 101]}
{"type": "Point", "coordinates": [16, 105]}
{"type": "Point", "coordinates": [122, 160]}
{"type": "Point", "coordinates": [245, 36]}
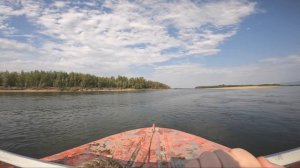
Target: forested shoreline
{"type": "Point", "coordinates": [72, 81]}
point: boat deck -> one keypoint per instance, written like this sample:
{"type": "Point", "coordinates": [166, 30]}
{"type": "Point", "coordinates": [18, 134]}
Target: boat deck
{"type": "Point", "coordinates": [144, 147]}
{"type": "Point", "coordinates": [154, 146]}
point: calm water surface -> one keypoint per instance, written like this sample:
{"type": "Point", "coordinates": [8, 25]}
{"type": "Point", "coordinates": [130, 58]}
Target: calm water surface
{"type": "Point", "coordinates": [262, 121]}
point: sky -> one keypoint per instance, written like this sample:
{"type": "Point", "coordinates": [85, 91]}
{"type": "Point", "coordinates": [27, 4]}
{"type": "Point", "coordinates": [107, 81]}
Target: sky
{"type": "Point", "coordinates": [180, 43]}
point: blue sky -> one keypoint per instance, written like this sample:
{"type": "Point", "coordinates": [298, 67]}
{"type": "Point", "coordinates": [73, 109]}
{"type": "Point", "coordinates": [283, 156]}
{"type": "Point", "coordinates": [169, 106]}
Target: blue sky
{"type": "Point", "coordinates": [180, 43]}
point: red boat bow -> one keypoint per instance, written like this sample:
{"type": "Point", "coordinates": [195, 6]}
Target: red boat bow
{"type": "Point", "coordinates": [152, 146]}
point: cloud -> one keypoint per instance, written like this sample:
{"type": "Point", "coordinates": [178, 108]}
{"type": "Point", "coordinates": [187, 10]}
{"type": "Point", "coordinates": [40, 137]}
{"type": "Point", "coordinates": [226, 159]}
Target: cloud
{"type": "Point", "coordinates": [14, 45]}
{"type": "Point", "coordinates": [108, 37]}
{"type": "Point", "coordinates": [271, 70]}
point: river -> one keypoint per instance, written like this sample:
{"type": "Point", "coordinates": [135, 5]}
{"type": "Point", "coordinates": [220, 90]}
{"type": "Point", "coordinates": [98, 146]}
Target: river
{"type": "Point", "coordinates": [263, 121]}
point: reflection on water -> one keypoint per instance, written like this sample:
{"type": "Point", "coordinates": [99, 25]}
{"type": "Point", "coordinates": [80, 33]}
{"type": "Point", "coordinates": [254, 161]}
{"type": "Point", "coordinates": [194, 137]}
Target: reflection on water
{"type": "Point", "coordinates": [262, 121]}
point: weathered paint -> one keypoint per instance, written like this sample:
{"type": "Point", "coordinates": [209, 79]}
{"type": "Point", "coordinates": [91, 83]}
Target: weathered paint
{"type": "Point", "coordinates": [145, 147]}
{"type": "Point", "coordinates": [148, 147]}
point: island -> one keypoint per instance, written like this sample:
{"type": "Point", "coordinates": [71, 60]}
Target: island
{"type": "Point", "coordinates": [59, 81]}
{"type": "Point", "coordinates": [223, 86]}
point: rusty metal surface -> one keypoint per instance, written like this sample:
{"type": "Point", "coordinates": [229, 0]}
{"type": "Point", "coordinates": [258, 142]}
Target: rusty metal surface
{"type": "Point", "coordinates": [148, 147]}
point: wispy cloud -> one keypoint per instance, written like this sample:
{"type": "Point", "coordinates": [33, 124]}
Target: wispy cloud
{"type": "Point", "coordinates": [271, 70]}
{"type": "Point", "coordinates": [106, 37]}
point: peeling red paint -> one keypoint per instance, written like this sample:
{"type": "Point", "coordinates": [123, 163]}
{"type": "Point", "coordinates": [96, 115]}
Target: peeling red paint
{"type": "Point", "coordinates": [151, 147]}
{"type": "Point", "coordinates": [147, 147]}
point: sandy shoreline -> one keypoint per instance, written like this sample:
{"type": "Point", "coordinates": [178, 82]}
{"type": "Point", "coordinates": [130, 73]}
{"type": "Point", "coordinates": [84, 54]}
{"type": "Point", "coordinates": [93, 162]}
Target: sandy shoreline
{"type": "Point", "coordinates": [245, 87]}
{"type": "Point", "coordinates": [58, 90]}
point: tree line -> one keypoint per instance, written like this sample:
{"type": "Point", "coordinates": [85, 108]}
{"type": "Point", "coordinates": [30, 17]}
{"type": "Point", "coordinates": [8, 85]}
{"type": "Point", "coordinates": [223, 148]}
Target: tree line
{"type": "Point", "coordinates": [63, 80]}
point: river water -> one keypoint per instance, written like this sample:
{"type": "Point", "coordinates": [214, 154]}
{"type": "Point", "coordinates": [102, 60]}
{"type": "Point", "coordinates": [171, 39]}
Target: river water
{"type": "Point", "coordinates": [263, 121]}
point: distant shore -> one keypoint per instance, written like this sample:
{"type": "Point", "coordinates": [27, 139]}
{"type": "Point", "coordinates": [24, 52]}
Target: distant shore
{"type": "Point", "coordinates": [68, 90]}
{"type": "Point", "coordinates": [239, 86]}
{"type": "Point", "coordinates": [246, 87]}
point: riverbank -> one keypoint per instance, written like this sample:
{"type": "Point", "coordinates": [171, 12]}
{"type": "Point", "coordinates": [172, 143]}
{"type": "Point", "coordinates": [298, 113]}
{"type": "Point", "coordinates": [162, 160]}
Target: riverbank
{"type": "Point", "coordinates": [246, 87]}
{"type": "Point", "coordinates": [53, 90]}
{"type": "Point", "coordinates": [260, 86]}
